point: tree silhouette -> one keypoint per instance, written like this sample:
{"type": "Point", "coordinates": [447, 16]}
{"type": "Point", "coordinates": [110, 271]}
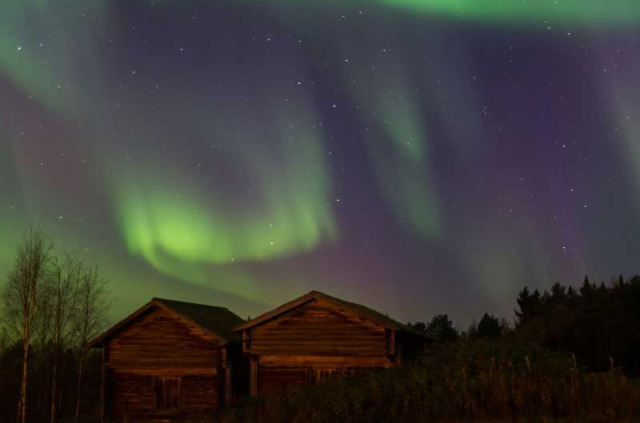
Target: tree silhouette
{"type": "Point", "coordinates": [441, 329]}
{"type": "Point", "coordinates": [488, 327]}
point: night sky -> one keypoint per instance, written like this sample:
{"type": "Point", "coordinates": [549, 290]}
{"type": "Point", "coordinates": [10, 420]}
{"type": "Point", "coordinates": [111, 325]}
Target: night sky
{"type": "Point", "coordinates": [417, 156]}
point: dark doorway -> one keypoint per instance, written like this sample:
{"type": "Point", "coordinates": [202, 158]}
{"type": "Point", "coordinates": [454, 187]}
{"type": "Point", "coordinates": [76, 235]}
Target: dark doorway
{"type": "Point", "coordinates": [167, 391]}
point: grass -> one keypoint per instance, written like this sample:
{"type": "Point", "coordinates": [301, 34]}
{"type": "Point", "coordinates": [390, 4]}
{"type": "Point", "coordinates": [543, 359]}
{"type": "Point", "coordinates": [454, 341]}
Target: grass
{"type": "Point", "coordinates": [465, 382]}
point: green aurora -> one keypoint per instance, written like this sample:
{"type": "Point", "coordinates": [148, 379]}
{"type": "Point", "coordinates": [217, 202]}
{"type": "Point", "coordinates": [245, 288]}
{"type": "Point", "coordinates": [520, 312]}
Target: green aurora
{"type": "Point", "coordinates": [513, 12]}
{"type": "Point", "coordinates": [399, 149]}
{"type": "Point", "coordinates": [279, 205]}
{"type": "Point", "coordinates": [292, 217]}
{"type": "Point", "coordinates": [282, 203]}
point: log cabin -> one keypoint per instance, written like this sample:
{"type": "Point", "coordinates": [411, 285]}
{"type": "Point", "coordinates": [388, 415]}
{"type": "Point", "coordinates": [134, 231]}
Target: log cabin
{"type": "Point", "coordinates": [316, 337]}
{"type": "Point", "coordinates": [168, 361]}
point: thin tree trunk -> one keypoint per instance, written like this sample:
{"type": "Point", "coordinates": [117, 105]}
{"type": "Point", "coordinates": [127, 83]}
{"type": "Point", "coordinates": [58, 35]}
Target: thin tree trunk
{"type": "Point", "coordinates": [53, 382]}
{"type": "Point", "coordinates": [80, 359]}
{"type": "Point", "coordinates": [41, 399]}
{"type": "Point", "coordinates": [22, 404]}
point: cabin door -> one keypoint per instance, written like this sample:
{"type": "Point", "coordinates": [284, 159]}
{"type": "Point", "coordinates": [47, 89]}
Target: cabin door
{"type": "Point", "coordinates": [167, 393]}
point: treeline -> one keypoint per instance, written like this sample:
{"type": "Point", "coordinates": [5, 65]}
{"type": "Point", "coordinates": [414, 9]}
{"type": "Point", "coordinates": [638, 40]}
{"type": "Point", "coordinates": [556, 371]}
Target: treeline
{"type": "Point", "coordinates": [51, 305]}
{"type": "Point", "coordinates": [596, 322]}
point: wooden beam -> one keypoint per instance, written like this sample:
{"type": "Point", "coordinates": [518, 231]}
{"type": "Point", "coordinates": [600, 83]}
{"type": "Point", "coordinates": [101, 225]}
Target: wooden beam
{"type": "Point", "coordinates": [398, 356]}
{"type": "Point", "coordinates": [391, 342]}
{"type": "Point", "coordinates": [253, 376]}
{"type": "Point", "coordinates": [228, 385]}
{"type": "Point", "coordinates": [168, 371]}
{"type": "Point", "coordinates": [246, 341]}
{"type": "Point", "coordinates": [323, 361]}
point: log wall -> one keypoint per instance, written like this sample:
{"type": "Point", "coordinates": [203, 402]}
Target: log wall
{"type": "Point", "coordinates": [314, 342]}
{"type": "Point", "coordinates": [201, 394]}
{"type": "Point", "coordinates": [318, 329]}
{"type": "Point", "coordinates": [158, 340]}
{"type": "Point", "coordinates": [161, 367]}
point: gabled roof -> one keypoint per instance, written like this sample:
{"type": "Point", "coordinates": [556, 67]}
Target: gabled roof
{"type": "Point", "coordinates": [215, 321]}
{"type": "Point", "coordinates": [358, 309]}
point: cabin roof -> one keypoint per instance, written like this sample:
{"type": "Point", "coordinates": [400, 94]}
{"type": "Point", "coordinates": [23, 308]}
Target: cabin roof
{"type": "Point", "coordinates": [216, 321]}
{"type": "Point", "coordinates": [358, 309]}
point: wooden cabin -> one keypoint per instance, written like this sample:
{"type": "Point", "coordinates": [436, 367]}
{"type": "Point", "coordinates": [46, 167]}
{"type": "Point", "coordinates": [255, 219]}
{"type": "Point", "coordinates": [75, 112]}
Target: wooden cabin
{"type": "Point", "coordinates": [167, 361]}
{"type": "Point", "coordinates": [316, 337]}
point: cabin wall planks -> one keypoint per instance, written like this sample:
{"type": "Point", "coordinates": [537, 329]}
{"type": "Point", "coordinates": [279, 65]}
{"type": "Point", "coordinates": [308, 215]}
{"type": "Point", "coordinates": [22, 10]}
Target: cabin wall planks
{"type": "Point", "coordinates": [159, 340]}
{"type": "Point", "coordinates": [318, 337]}
{"type": "Point", "coordinates": [317, 329]}
{"type": "Point", "coordinates": [161, 366]}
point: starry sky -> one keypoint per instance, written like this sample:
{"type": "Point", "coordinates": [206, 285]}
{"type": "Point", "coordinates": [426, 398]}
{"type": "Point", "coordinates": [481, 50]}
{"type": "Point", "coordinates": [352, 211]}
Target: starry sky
{"type": "Point", "coordinates": [417, 156]}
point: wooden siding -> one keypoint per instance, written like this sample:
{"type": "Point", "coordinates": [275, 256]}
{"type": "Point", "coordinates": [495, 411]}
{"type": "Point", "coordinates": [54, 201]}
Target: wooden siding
{"type": "Point", "coordinates": [274, 379]}
{"type": "Point", "coordinates": [158, 340]}
{"type": "Point", "coordinates": [318, 328]}
{"type": "Point", "coordinates": [134, 395]}
{"type": "Point", "coordinates": [313, 342]}
{"type": "Point", "coordinates": [201, 394]}
{"type": "Point", "coordinates": [161, 367]}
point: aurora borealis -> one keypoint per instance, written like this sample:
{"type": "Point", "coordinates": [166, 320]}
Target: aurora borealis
{"type": "Point", "coordinates": [421, 157]}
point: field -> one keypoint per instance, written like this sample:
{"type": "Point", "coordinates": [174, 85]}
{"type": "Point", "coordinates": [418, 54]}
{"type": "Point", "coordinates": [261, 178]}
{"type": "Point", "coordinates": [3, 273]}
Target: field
{"type": "Point", "coordinates": [465, 381]}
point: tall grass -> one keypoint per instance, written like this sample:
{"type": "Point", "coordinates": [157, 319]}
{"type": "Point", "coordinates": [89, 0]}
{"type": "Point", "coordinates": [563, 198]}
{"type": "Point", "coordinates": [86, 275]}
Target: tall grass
{"type": "Point", "coordinates": [478, 381]}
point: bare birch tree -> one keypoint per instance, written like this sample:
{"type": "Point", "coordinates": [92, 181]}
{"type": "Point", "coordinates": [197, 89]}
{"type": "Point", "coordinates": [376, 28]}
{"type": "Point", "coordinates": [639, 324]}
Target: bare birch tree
{"type": "Point", "coordinates": [20, 298]}
{"type": "Point", "coordinates": [40, 341]}
{"type": "Point", "coordinates": [62, 289]}
{"type": "Point", "coordinates": [91, 313]}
